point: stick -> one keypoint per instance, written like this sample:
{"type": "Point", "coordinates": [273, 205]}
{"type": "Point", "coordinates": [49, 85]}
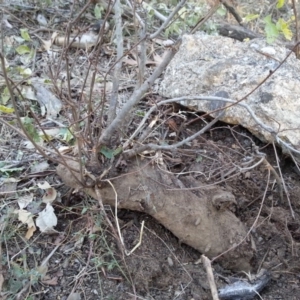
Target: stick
{"type": "Point", "coordinates": [210, 277]}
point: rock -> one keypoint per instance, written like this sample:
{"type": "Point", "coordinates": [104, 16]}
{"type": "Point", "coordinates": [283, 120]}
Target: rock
{"type": "Point", "coordinates": [219, 66]}
{"type": "Point", "coordinates": [196, 221]}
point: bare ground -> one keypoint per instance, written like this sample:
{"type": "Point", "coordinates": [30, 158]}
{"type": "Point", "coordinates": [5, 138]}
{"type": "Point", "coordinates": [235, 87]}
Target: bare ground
{"type": "Point", "coordinates": [89, 264]}
{"type": "Point", "coordinates": [89, 261]}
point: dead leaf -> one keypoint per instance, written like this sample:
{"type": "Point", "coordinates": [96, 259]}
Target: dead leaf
{"type": "Point", "coordinates": [247, 175]}
{"type": "Point", "coordinates": [7, 24]}
{"type": "Point", "coordinates": [23, 201]}
{"type": "Point", "coordinates": [48, 102]}
{"type": "Point", "coordinates": [172, 124]}
{"type": "Point", "coordinates": [153, 122]}
{"type": "Point", "coordinates": [28, 92]}
{"type": "Point", "coordinates": [52, 281]}
{"type": "Point", "coordinates": [157, 58]}
{"type": "Point", "coordinates": [30, 232]}
{"type": "Point", "coordinates": [48, 44]}
{"type": "Point", "coordinates": [44, 185]}
{"type": "Point", "coordinates": [65, 149]}
{"type": "Point", "coordinates": [234, 146]}
{"type": "Point", "coordinates": [130, 62]}
{"type": "Point", "coordinates": [42, 270]}
{"type": "Point", "coordinates": [29, 145]}
{"type": "Point", "coordinates": [51, 133]}
{"type": "Point", "coordinates": [47, 219]}
{"type": "Point", "coordinates": [40, 167]}
{"type": "Point", "coordinates": [74, 296]}
{"type": "Point", "coordinates": [26, 218]}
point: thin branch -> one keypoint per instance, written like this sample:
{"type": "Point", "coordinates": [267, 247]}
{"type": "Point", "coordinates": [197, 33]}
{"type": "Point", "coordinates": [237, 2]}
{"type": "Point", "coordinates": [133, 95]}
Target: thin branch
{"type": "Point", "coordinates": [148, 7]}
{"type": "Point", "coordinates": [253, 225]}
{"type": "Point", "coordinates": [204, 19]}
{"type": "Point", "coordinates": [18, 117]}
{"type": "Point", "coordinates": [135, 98]}
{"type": "Point", "coordinates": [198, 98]}
{"type": "Point", "coordinates": [286, 145]}
{"type": "Point", "coordinates": [135, 14]}
{"type": "Point", "coordinates": [142, 56]}
{"type": "Point", "coordinates": [212, 98]}
{"type": "Point", "coordinates": [120, 51]}
{"type": "Point", "coordinates": [151, 146]}
{"type": "Point", "coordinates": [297, 50]}
{"type": "Point", "coordinates": [112, 228]}
{"type": "Point", "coordinates": [167, 21]}
{"type": "Point", "coordinates": [233, 11]}
{"type": "Point", "coordinates": [283, 183]}
{"type": "Point", "coordinates": [210, 277]}
{"type": "Point", "coordinates": [116, 215]}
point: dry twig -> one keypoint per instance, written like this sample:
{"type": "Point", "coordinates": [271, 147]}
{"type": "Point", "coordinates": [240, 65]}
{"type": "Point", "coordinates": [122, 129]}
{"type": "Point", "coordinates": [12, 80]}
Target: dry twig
{"type": "Point", "coordinates": [210, 277]}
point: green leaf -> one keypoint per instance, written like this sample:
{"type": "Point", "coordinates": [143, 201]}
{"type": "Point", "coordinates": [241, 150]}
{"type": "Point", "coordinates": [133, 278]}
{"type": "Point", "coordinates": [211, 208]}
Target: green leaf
{"type": "Point", "coordinates": [98, 11]}
{"type": "Point", "coordinates": [221, 11]}
{"type": "Point", "coordinates": [110, 153]}
{"type": "Point", "coordinates": [7, 170]}
{"type": "Point", "coordinates": [280, 3]}
{"type": "Point", "coordinates": [5, 96]}
{"type": "Point", "coordinates": [150, 11]}
{"type": "Point", "coordinates": [162, 6]}
{"type": "Point", "coordinates": [270, 29]}
{"type": "Point", "coordinates": [284, 28]}
{"type": "Point", "coordinates": [14, 285]}
{"type": "Point", "coordinates": [25, 34]}
{"type": "Point", "coordinates": [46, 137]}
{"type": "Point", "coordinates": [23, 49]}
{"type": "Point", "coordinates": [199, 158]}
{"type": "Point", "coordinates": [84, 210]}
{"type": "Point", "coordinates": [251, 17]}
{"type": "Point", "coordinates": [10, 170]}
{"type": "Point", "coordinates": [7, 110]}
{"type": "Point", "coordinates": [182, 13]}
{"type": "Point", "coordinates": [30, 129]}
{"type": "Point", "coordinates": [118, 151]}
{"type": "Point", "coordinates": [66, 134]}
{"type": "Point", "coordinates": [26, 71]}
{"type": "Point", "coordinates": [140, 113]}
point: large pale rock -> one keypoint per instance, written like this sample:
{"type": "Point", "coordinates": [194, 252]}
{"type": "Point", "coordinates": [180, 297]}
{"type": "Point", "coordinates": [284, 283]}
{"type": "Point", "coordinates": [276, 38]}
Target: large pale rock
{"type": "Point", "coordinates": [219, 66]}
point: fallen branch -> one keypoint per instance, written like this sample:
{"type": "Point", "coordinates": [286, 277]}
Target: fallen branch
{"type": "Point", "coordinates": [210, 277]}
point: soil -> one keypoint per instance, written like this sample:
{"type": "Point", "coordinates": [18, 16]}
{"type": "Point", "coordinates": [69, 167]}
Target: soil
{"type": "Point", "coordinates": [89, 261]}
{"type": "Point", "coordinates": [88, 264]}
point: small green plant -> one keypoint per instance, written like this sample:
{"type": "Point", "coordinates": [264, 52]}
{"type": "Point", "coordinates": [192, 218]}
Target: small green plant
{"type": "Point", "coordinates": [274, 30]}
{"type": "Point", "coordinates": [98, 11]}
{"type": "Point", "coordinates": [31, 130]}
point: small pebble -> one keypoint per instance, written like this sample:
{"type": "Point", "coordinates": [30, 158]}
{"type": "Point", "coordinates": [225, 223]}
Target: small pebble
{"type": "Point", "coordinates": [170, 262]}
